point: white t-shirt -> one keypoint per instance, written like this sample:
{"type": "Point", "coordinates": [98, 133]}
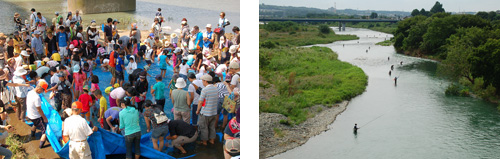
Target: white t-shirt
{"type": "Point", "coordinates": [236, 80]}
{"type": "Point", "coordinates": [148, 54]}
{"type": "Point", "coordinates": [33, 17]}
{"type": "Point", "coordinates": [55, 79]}
{"type": "Point", "coordinates": [117, 93]}
{"type": "Point", "coordinates": [32, 102]}
{"type": "Point", "coordinates": [110, 47]}
{"type": "Point", "coordinates": [52, 63]}
{"type": "Point", "coordinates": [191, 88]}
{"type": "Point", "coordinates": [76, 128]}
{"type": "Point", "coordinates": [21, 91]}
{"type": "Point", "coordinates": [198, 76]}
{"type": "Point", "coordinates": [221, 68]}
{"type": "Point", "coordinates": [131, 67]}
{"type": "Point", "coordinates": [183, 69]}
{"type": "Point", "coordinates": [105, 61]}
{"type": "Point", "coordinates": [150, 41]}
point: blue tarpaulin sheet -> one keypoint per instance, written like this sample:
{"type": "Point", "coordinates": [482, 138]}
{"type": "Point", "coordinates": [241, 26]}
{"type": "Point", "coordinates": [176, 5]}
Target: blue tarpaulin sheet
{"type": "Point", "coordinates": [101, 142]}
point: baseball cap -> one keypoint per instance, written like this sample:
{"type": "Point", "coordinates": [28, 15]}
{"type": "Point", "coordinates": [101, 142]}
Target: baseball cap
{"type": "Point", "coordinates": [158, 77]}
{"type": "Point", "coordinates": [234, 65]}
{"type": "Point", "coordinates": [43, 84]}
{"type": "Point", "coordinates": [151, 34]}
{"type": "Point", "coordinates": [206, 78]}
{"type": "Point", "coordinates": [77, 105]}
{"type": "Point", "coordinates": [232, 146]}
{"type": "Point", "coordinates": [116, 85]}
{"type": "Point", "coordinates": [115, 20]}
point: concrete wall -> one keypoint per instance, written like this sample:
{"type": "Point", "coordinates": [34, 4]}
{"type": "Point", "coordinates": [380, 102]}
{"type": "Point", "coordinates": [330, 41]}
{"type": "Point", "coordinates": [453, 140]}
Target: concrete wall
{"type": "Point", "coordinates": [101, 6]}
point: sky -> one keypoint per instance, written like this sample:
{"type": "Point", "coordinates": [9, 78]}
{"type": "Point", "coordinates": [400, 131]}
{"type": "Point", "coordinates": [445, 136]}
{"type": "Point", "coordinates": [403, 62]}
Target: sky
{"type": "Point", "coordinates": [393, 5]}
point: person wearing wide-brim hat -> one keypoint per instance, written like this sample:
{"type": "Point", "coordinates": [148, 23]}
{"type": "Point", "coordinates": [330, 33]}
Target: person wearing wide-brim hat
{"type": "Point", "coordinates": [93, 33]}
{"type": "Point", "coordinates": [181, 101]}
{"type": "Point", "coordinates": [21, 92]}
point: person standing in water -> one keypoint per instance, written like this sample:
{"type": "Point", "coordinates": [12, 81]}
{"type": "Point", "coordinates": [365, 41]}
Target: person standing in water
{"type": "Point", "coordinates": [390, 72]}
{"type": "Point", "coordinates": [395, 80]}
{"type": "Point", "coordinates": [392, 67]}
{"type": "Point", "coordinates": [355, 129]}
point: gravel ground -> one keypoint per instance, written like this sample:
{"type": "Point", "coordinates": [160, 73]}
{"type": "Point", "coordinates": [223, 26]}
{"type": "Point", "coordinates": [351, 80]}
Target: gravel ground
{"type": "Point", "coordinates": [276, 138]}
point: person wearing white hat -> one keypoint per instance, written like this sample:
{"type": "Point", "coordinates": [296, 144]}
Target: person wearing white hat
{"type": "Point", "coordinates": [174, 39]}
{"type": "Point", "coordinates": [93, 33]}
{"type": "Point", "coordinates": [37, 45]}
{"type": "Point", "coordinates": [21, 92]}
{"type": "Point", "coordinates": [180, 99]}
{"type": "Point", "coordinates": [232, 50]}
{"type": "Point", "coordinates": [234, 71]}
{"type": "Point", "coordinates": [24, 58]}
{"type": "Point", "coordinates": [208, 39]}
{"type": "Point", "coordinates": [209, 97]}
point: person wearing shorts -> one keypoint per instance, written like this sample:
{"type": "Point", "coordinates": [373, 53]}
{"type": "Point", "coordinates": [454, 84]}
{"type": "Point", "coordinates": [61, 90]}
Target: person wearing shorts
{"type": "Point", "coordinates": [181, 133]}
{"type": "Point", "coordinates": [160, 130]}
{"type": "Point", "coordinates": [34, 111]}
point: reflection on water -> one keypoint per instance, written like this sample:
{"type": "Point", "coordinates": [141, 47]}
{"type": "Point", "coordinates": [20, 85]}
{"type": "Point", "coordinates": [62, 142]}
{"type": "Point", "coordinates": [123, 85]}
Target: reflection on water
{"type": "Point", "coordinates": [197, 12]}
{"type": "Point", "coordinates": [413, 120]}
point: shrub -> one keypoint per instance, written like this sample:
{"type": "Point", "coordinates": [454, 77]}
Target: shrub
{"type": "Point", "coordinates": [453, 90]}
{"type": "Point", "coordinates": [268, 44]}
{"type": "Point", "coordinates": [324, 29]}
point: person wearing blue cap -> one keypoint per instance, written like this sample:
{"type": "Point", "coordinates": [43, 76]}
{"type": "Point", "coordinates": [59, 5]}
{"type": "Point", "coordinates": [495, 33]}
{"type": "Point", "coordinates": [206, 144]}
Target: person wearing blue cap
{"type": "Point", "coordinates": [150, 41]}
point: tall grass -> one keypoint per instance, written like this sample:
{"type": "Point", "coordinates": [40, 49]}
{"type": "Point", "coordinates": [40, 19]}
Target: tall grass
{"type": "Point", "coordinates": [305, 77]}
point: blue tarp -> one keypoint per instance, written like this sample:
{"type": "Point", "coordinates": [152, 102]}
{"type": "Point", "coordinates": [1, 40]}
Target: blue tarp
{"type": "Point", "coordinates": [101, 142]}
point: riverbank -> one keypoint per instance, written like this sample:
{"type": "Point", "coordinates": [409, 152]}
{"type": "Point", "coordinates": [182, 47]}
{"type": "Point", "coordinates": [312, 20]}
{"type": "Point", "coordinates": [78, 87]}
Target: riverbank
{"type": "Point", "coordinates": [301, 89]}
{"type": "Point", "coordinates": [276, 138]}
{"type": "Point", "coordinates": [384, 27]}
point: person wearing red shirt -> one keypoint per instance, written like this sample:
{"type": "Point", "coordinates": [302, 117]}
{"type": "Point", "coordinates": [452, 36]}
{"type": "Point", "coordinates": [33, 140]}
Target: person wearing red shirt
{"type": "Point", "coordinates": [86, 100]}
{"type": "Point", "coordinates": [112, 64]}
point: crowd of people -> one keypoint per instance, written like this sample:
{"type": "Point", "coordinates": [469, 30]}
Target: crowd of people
{"type": "Point", "coordinates": [59, 59]}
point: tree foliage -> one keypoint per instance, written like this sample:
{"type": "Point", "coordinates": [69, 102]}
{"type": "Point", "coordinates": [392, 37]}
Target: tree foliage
{"type": "Point", "coordinates": [415, 12]}
{"type": "Point", "coordinates": [373, 15]}
{"type": "Point", "coordinates": [437, 8]}
{"type": "Point", "coordinates": [282, 26]}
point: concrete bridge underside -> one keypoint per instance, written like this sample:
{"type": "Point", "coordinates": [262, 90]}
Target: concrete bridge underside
{"type": "Point", "coordinates": [101, 6]}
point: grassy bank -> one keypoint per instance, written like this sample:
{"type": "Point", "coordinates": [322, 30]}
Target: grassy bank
{"type": "Point", "coordinates": [385, 43]}
{"type": "Point", "coordinates": [305, 77]}
{"type": "Point", "coordinates": [385, 27]}
{"type": "Point", "coordinates": [303, 35]}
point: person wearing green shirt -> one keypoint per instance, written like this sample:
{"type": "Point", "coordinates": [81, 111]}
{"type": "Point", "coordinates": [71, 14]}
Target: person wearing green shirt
{"type": "Point", "coordinates": [158, 90]}
{"type": "Point", "coordinates": [181, 101]}
{"type": "Point", "coordinates": [129, 121]}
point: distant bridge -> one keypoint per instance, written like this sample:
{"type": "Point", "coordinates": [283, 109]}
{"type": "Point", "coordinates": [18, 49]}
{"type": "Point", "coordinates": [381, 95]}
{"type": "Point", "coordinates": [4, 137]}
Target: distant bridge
{"type": "Point", "coordinates": [341, 21]}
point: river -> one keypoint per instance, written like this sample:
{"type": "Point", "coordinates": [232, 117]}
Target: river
{"type": "Point", "coordinates": [197, 12]}
{"type": "Point", "coordinates": [414, 119]}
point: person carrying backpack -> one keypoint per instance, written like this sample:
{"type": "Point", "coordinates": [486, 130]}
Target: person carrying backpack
{"type": "Point", "coordinates": [157, 118]}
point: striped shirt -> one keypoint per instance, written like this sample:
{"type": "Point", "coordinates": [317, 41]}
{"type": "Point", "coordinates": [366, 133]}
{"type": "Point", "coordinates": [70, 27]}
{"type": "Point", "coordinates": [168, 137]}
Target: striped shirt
{"type": "Point", "coordinates": [221, 87]}
{"type": "Point", "coordinates": [210, 95]}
